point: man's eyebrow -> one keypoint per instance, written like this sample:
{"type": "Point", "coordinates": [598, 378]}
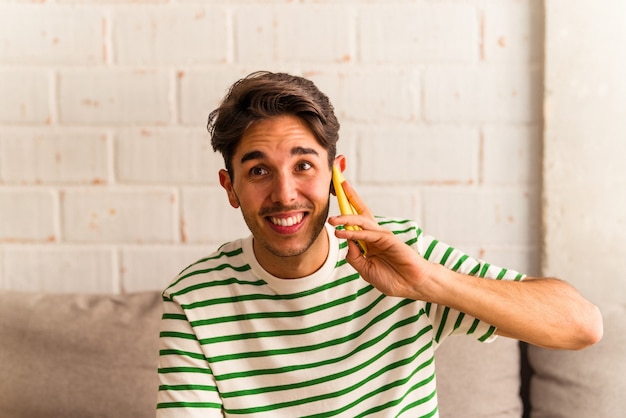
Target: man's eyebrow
{"type": "Point", "coordinates": [303, 151]}
{"type": "Point", "coordinates": [252, 155]}
{"type": "Point", "coordinates": [260, 155]}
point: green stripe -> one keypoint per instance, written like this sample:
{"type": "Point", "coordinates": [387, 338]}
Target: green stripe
{"type": "Point", "coordinates": [205, 388]}
{"type": "Point", "coordinates": [385, 221]}
{"type": "Point", "coordinates": [442, 324]}
{"type": "Point", "coordinates": [459, 320]}
{"type": "Point", "coordinates": [473, 327]}
{"type": "Point", "coordinates": [430, 249]}
{"type": "Point", "coordinates": [404, 231]}
{"type": "Point", "coordinates": [165, 370]}
{"type": "Point", "coordinates": [170, 352]}
{"type": "Point", "coordinates": [178, 317]}
{"type": "Point", "coordinates": [174, 334]}
{"type": "Point", "coordinates": [446, 255]}
{"type": "Point", "coordinates": [484, 270]}
{"type": "Point", "coordinates": [488, 334]}
{"type": "Point", "coordinates": [474, 270]}
{"type": "Point", "coordinates": [421, 401]}
{"type": "Point", "coordinates": [459, 263]}
{"type": "Point", "coordinates": [164, 405]}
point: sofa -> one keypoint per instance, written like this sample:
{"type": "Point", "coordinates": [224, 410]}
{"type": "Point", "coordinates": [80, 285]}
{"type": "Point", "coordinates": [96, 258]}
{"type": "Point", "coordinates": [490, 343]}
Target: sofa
{"type": "Point", "coordinates": [88, 355]}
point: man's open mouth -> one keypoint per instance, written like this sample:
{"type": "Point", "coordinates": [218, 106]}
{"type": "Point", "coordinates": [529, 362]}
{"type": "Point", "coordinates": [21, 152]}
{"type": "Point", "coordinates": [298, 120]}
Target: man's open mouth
{"type": "Point", "coordinates": [286, 221]}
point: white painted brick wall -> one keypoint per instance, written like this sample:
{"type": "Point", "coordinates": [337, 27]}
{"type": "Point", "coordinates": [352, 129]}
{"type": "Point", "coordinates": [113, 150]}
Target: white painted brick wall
{"type": "Point", "coordinates": [25, 93]}
{"type": "Point", "coordinates": [176, 35]}
{"type": "Point", "coordinates": [114, 96]}
{"type": "Point", "coordinates": [54, 157]}
{"type": "Point", "coordinates": [165, 156]}
{"type": "Point", "coordinates": [28, 215]}
{"type": "Point", "coordinates": [126, 215]}
{"type": "Point", "coordinates": [62, 35]}
{"type": "Point", "coordinates": [107, 179]}
{"type": "Point", "coordinates": [419, 34]}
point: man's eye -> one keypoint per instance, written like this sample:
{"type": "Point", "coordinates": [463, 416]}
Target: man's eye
{"type": "Point", "coordinates": [257, 171]}
{"type": "Point", "coordinates": [304, 166]}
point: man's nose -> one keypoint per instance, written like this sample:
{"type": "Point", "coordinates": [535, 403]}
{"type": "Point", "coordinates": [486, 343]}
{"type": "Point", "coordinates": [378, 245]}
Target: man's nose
{"type": "Point", "coordinates": [283, 189]}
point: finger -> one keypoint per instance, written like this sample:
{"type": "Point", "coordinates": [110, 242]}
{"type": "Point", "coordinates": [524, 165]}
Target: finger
{"type": "Point", "coordinates": [355, 257]}
{"type": "Point", "coordinates": [356, 222]}
{"type": "Point", "coordinates": [354, 199]}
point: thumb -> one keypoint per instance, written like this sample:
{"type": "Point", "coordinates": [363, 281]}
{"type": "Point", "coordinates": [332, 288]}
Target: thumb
{"type": "Point", "coordinates": [355, 257]}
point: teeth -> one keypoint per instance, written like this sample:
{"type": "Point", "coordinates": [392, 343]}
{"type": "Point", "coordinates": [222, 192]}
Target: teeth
{"type": "Point", "coordinates": [292, 220]}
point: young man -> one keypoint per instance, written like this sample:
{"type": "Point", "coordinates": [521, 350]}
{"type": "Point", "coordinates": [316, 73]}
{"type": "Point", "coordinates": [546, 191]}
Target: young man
{"type": "Point", "coordinates": [294, 321]}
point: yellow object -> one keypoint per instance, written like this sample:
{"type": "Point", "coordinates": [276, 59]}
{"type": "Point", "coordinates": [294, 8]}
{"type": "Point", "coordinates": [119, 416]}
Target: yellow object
{"type": "Point", "coordinates": [345, 207]}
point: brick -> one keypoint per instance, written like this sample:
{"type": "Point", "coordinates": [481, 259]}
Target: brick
{"type": "Point", "coordinates": [463, 217]}
{"type": "Point", "coordinates": [511, 155]}
{"type": "Point", "coordinates": [201, 91]}
{"type": "Point", "coordinates": [300, 36]}
{"type": "Point", "coordinates": [51, 34]}
{"type": "Point", "coordinates": [372, 96]}
{"type": "Point", "coordinates": [44, 157]}
{"type": "Point", "coordinates": [513, 31]}
{"type": "Point", "coordinates": [28, 215]}
{"type": "Point", "coordinates": [400, 156]}
{"type": "Point", "coordinates": [123, 215]}
{"type": "Point", "coordinates": [255, 26]}
{"type": "Point", "coordinates": [479, 94]}
{"type": "Point", "coordinates": [114, 97]}
{"type": "Point", "coordinates": [400, 202]}
{"type": "Point", "coordinates": [60, 269]}
{"type": "Point", "coordinates": [154, 267]}
{"type": "Point", "coordinates": [408, 34]}
{"type": "Point", "coordinates": [207, 217]}
{"type": "Point", "coordinates": [24, 96]}
{"type": "Point", "coordinates": [170, 35]}
{"type": "Point", "coordinates": [166, 156]}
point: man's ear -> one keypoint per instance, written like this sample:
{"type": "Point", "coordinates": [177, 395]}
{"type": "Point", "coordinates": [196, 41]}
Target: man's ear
{"type": "Point", "coordinates": [340, 161]}
{"type": "Point", "coordinates": [227, 184]}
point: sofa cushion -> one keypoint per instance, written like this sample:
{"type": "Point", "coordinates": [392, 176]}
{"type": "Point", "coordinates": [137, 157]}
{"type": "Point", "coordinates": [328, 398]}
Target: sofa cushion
{"type": "Point", "coordinates": [78, 355]}
{"type": "Point", "coordinates": [587, 383]}
{"type": "Point", "coordinates": [478, 380]}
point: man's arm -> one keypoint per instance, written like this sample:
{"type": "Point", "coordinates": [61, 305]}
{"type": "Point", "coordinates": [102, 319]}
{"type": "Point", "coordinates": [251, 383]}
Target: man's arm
{"type": "Point", "coordinates": [546, 312]}
{"type": "Point", "coordinates": [542, 311]}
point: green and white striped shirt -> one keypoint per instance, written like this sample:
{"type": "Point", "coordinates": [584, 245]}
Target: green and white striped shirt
{"type": "Point", "coordinates": [237, 341]}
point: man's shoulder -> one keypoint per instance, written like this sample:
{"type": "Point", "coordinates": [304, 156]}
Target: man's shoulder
{"type": "Point", "coordinates": [400, 226]}
{"type": "Point", "coordinates": [227, 261]}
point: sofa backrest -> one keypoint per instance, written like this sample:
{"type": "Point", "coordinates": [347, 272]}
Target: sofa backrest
{"type": "Point", "coordinates": [77, 356]}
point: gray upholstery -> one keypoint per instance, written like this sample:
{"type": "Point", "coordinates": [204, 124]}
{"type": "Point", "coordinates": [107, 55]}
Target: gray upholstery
{"type": "Point", "coordinates": [77, 356]}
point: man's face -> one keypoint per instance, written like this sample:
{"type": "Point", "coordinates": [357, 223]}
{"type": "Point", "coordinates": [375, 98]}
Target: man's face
{"type": "Point", "coordinates": [281, 183]}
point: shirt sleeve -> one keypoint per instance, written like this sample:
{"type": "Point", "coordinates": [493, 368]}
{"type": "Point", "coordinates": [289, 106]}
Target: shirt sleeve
{"type": "Point", "coordinates": [187, 387]}
{"type": "Point", "coordinates": [447, 321]}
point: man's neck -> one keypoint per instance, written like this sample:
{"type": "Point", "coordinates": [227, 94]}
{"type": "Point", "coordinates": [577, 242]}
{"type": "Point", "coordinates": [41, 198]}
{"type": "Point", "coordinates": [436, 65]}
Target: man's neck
{"type": "Point", "coordinates": [295, 267]}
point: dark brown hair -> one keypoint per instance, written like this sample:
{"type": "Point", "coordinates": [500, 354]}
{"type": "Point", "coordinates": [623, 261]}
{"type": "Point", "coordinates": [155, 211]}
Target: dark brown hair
{"type": "Point", "coordinates": [262, 95]}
